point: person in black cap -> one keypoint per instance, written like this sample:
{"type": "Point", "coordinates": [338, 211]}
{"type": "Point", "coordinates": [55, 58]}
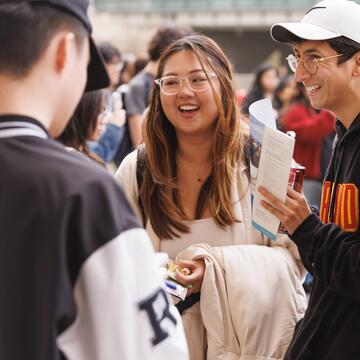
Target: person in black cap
{"type": "Point", "coordinates": [78, 276]}
{"type": "Point", "coordinates": [326, 60]}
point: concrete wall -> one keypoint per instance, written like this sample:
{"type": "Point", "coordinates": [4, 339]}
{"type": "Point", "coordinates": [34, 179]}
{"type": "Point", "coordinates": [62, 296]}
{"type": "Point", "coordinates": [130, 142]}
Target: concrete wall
{"type": "Point", "coordinates": [244, 36]}
{"type": "Point", "coordinates": [131, 31]}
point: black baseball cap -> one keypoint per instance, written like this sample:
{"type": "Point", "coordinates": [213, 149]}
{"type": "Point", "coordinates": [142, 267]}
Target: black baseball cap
{"type": "Point", "coordinates": [97, 74]}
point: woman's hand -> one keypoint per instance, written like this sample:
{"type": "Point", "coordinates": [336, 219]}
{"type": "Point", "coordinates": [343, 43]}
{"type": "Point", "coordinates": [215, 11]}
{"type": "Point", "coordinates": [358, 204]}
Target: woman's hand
{"type": "Point", "coordinates": [191, 272]}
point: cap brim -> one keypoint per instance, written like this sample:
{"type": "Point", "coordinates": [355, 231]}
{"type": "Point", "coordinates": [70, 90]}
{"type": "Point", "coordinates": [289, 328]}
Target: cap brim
{"type": "Point", "coordinates": [97, 74]}
{"type": "Point", "coordinates": [289, 33]}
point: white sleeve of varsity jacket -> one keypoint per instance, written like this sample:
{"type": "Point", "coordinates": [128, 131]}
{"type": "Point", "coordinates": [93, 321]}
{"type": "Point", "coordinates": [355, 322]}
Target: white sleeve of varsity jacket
{"type": "Point", "coordinates": [123, 311]}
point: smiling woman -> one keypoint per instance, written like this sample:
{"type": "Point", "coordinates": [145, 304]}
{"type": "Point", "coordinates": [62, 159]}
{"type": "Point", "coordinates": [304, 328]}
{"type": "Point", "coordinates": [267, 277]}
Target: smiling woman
{"type": "Point", "coordinates": [187, 129]}
{"type": "Point", "coordinates": [191, 188]}
{"type": "Point", "coordinates": [187, 98]}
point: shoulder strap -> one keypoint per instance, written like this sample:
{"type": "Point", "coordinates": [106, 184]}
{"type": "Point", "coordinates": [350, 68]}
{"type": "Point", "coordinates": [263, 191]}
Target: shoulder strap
{"type": "Point", "coordinates": [140, 167]}
{"type": "Point", "coordinates": [247, 156]}
{"type": "Point", "coordinates": [247, 152]}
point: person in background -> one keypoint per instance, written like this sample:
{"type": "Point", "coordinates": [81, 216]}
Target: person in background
{"type": "Point", "coordinates": [189, 186]}
{"type": "Point", "coordinates": [72, 254]}
{"type": "Point", "coordinates": [108, 143]}
{"type": "Point", "coordinates": [139, 64]}
{"type": "Point", "coordinates": [326, 60]}
{"type": "Point", "coordinates": [132, 66]}
{"type": "Point", "coordinates": [283, 71]}
{"type": "Point", "coordinates": [87, 123]}
{"type": "Point", "coordinates": [312, 127]}
{"type": "Point", "coordinates": [113, 63]}
{"type": "Point", "coordinates": [127, 70]}
{"type": "Point", "coordinates": [86, 126]}
{"type": "Point", "coordinates": [284, 94]}
{"type": "Point", "coordinates": [265, 82]}
{"type": "Point", "coordinates": [136, 98]}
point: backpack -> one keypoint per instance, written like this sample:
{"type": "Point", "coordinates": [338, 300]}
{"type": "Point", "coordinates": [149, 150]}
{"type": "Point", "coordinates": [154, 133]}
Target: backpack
{"type": "Point", "coordinates": [140, 167]}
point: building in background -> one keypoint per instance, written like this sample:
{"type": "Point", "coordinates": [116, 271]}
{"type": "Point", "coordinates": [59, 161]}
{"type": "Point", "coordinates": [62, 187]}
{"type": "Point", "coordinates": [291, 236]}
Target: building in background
{"type": "Point", "coordinates": [241, 27]}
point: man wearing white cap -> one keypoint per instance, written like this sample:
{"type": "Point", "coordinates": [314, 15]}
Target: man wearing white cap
{"type": "Point", "coordinates": [326, 59]}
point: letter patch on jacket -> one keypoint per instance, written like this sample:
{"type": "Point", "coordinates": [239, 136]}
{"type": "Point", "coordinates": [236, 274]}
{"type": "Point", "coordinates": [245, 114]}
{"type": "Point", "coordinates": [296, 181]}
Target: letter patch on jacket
{"type": "Point", "coordinates": [346, 205]}
{"type": "Point", "coordinates": [157, 308]}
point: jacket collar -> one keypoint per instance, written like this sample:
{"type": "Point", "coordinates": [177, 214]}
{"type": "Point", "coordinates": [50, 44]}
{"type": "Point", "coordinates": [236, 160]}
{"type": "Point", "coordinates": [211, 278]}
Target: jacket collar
{"type": "Point", "coordinates": [341, 129]}
{"type": "Point", "coordinates": [19, 125]}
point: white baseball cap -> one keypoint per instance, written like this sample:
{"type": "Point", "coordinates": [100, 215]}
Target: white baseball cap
{"type": "Point", "coordinates": [326, 20]}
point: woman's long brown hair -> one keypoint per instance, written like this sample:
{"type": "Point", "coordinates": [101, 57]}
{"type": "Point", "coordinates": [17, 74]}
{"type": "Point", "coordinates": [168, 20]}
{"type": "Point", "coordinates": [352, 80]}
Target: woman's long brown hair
{"type": "Point", "coordinates": [159, 190]}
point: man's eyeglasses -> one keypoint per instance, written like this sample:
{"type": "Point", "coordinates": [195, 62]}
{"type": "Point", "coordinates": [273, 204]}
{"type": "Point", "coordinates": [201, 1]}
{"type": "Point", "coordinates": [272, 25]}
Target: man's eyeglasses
{"type": "Point", "coordinates": [171, 85]}
{"type": "Point", "coordinates": [310, 65]}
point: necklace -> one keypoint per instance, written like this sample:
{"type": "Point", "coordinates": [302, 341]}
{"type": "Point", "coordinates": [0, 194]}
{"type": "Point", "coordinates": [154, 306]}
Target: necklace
{"type": "Point", "coordinates": [199, 178]}
{"type": "Point", "coordinates": [192, 171]}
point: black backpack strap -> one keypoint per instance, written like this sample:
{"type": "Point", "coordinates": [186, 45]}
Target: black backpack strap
{"type": "Point", "coordinates": [247, 152]}
{"type": "Point", "coordinates": [247, 156]}
{"type": "Point", "coordinates": [140, 167]}
{"type": "Point", "coordinates": [188, 302]}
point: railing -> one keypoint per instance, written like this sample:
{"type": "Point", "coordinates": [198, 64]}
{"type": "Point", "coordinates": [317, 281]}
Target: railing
{"type": "Point", "coordinates": [199, 5]}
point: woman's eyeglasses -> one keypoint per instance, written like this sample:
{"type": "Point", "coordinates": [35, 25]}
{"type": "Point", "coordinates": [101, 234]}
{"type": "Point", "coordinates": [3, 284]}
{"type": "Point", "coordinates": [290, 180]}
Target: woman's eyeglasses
{"type": "Point", "coordinates": [310, 65]}
{"type": "Point", "coordinates": [171, 85]}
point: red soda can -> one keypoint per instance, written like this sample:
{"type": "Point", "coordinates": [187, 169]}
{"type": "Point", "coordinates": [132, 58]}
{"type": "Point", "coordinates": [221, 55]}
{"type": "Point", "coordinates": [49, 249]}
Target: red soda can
{"type": "Point", "coordinates": [296, 180]}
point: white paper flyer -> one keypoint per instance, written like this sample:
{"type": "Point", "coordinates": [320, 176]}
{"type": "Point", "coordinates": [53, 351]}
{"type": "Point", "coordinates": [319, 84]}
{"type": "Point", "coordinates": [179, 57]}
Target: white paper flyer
{"type": "Point", "coordinates": [271, 152]}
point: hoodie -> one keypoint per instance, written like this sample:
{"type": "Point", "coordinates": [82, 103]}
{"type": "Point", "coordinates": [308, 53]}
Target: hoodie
{"type": "Point", "coordinates": [329, 246]}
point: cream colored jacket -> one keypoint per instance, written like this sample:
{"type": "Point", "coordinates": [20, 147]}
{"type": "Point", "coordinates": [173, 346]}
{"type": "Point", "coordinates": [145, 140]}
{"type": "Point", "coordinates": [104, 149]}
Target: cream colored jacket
{"type": "Point", "coordinates": [251, 299]}
{"type": "Point", "coordinates": [247, 276]}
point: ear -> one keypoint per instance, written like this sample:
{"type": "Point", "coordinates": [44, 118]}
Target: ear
{"type": "Point", "coordinates": [64, 48]}
{"type": "Point", "coordinates": [356, 64]}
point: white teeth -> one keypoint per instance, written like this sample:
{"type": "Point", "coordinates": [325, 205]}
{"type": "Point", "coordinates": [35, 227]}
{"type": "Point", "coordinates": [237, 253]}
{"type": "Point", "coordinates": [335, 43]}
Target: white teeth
{"type": "Point", "coordinates": [188, 107]}
{"type": "Point", "coordinates": [312, 88]}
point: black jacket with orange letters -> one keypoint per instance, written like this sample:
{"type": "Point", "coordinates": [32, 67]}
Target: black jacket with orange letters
{"type": "Point", "coordinates": [330, 249]}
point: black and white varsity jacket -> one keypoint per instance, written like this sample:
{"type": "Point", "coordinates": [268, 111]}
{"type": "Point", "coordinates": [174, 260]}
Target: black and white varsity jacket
{"type": "Point", "coordinates": [78, 278]}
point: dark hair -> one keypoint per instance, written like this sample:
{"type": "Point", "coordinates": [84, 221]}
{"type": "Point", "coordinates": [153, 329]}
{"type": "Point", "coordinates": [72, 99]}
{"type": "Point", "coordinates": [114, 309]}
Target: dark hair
{"type": "Point", "coordinates": [163, 38]}
{"type": "Point", "coordinates": [83, 123]}
{"type": "Point", "coordinates": [301, 97]}
{"type": "Point", "coordinates": [131, 68]}
{"type": "Point", "coordinates": [159, 189]}
{"type": "Point", "coordinates": [283, 83]}
{"type": "Point", "coordinates": [139, 64]}
{"type": "Point", "coordinates": [345, 46]}
{"type": "Point", "coordinates": [109, 52]}
{"type": "Point", "coordinates": [341, 44]}
{"type": "Point", "coordinates": [25, 32]}
{"type": "Point", "coordinates": [256, 91]}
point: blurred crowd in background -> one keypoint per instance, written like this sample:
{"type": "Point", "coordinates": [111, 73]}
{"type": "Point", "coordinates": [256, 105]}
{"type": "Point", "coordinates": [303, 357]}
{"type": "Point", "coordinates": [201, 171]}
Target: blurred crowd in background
{"type": "Point", "coordinates": [118, 112]}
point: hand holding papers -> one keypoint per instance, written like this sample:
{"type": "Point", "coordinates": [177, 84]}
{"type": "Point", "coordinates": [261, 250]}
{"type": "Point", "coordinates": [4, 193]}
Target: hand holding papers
{"type": "Point", "coordinates": [270, 161]}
